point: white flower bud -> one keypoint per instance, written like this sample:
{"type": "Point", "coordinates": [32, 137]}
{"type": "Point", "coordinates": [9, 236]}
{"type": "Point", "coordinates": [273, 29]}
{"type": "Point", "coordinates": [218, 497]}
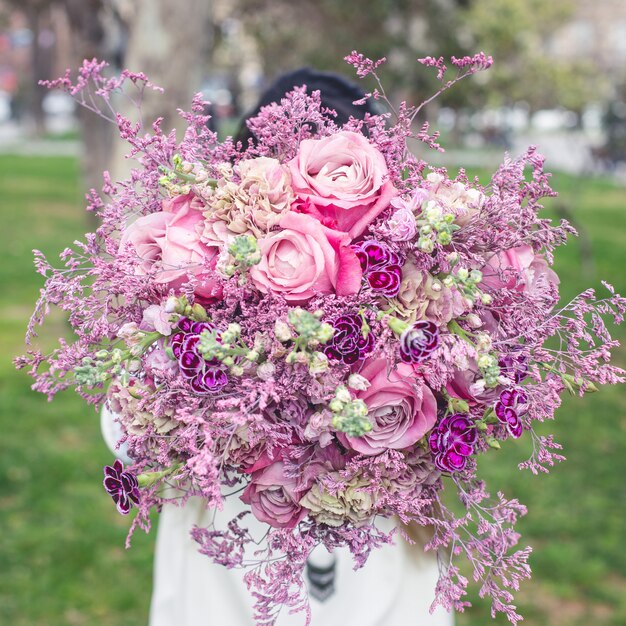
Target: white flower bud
{"type": "Point", "coordinates": [436, 285]}
{"type": "Point", "coordinates": [266, 370]}
{"type": "Point", "coordinates": [343, 395]}
{"type": "Point", "coordinates": [282, 331]}
{"type": "Point", "coordinates": [358, 382]}
{"type": "Point", "coordinates": [336, 406]}
{"type": "Point", "coordinates": [474, 321]}
{"type": "Point", "coordinates": [170, 304]}
{"type": "Point", "coordinates": [485, 360]}
{"type": "Point", "coordinates": [318, 363]}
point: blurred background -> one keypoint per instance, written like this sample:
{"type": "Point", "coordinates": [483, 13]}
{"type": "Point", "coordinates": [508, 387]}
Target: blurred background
{"type": "Point", "coordinates": [559, 81]}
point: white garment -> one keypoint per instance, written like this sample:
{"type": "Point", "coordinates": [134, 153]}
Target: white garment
{"type": "Point", "coordinates": [394, 588]}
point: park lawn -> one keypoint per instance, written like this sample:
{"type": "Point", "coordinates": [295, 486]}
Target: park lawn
{"type": "Point", "coordinates": [62, 543]}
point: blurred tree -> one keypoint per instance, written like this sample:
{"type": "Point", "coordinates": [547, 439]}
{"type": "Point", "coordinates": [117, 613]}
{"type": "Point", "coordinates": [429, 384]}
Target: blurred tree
{"type": "Point", "coordinates": [169, 41]}
{"type": "Point", "coordinates": [518, 34]}
{"type": "Point", "coordinates": [36, 12]}
{"type": "Point", "coordinates": [292, 33]}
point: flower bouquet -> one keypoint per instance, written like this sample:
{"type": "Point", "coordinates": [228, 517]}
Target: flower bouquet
{"type": "Point", "coordinates": [323, 325]}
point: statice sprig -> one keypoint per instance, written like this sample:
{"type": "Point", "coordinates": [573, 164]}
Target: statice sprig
{"type": "Point", "coordinates": [229, 348]}
{"type": "Point", "coordinates": [467, 281]}
{"type": "Point", "coordinates": [179, 179]}
{"type": "Point", "coordinates": [116, 362]}
{"type": "Point", "coordinates": [306, 332]}
{"type": "Point", "coordinates": [435, 227]}
{"type": "Point", "coordinates": [349, 414]}
{"type": "Point", "coordinates": [245, 253]}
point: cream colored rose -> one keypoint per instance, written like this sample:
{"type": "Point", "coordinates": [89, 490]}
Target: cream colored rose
{"type": "Point", "coordinates": [136, 421]}
{"type": "Point", "coordinates": [422, 296]}
{"type": "Point", "coordinates": [256, 203]}
{"type": "Point", "coordinates": [354, 504]}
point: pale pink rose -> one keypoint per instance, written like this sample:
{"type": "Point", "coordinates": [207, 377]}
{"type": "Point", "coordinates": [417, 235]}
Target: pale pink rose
{"type": "Point", "coordinates": [401, 225]}
{"type": "Point", "coordinates": [305, 259]}
{"type": "Point", "coordinates": [520, 269]}
{"type": "Point", "coordinates": [158, 364]}
{"type": "Point", "coordinates": [156, 318]}
{"type": "Point", "coordinates": [454, 197]}
{"type": "Point", "coordinates": [342, 180]}
{"type": "Point", "coordinates": [274, 497]}
{"type": "Point", "coordinates": [169, 246]}
{"type": "Point", "coordinates": [402, 408]}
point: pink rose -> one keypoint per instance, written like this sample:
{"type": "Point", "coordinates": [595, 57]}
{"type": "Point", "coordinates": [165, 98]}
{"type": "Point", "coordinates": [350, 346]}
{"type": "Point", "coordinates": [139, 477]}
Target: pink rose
{"type": "Point", "coordinates": [157, 364]}
{"type": "Point", "coordinates": [342, 181]}
{"type": "Point", "coordinates": [304, 259]}
{"type": "Point", "coordinates": [274, 497]}
{"type": "Point", "coordinates": [520, 269]}
{"type": "Point", "coordinates": [155, 317]}
{"type": "Point", "coordinates": [403, 409]}
{"type": "Point", "coordinates": [467, 384]}
{"type": "Point", "coordinates": [169, 247]}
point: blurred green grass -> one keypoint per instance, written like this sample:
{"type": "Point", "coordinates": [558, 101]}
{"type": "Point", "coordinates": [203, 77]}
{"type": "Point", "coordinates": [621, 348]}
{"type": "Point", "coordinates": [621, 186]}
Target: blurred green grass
{"type": "Point", "coordinates": [61, 545]}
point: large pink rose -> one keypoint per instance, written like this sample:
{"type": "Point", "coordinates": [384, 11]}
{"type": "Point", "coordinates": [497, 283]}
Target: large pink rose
{"type": "Point", "coordinates": [403, 409]}
{"type": "Point", "coordinates": [304, 259]}
{"type": "Point", "coordinates": [274, 497]}
{"type": "Point", "coordinates": [521, 269]}
{"type": "Point", "coordinates": [168, 245]}
{"type": "Point", "coordinates": [342, 180]}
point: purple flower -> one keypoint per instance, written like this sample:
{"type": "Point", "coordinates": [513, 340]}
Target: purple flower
{"type": "Point", "coordinates": [381, 267]}
{"type": "Point", "coordinates": [509, 409]}
{"type": "Point", "coordinates": [204, 377]}
{"type": "Point", "coordinates": [514, 366]}
{"type": "Point", "coordinates": [419, 341]}
{"type": "Point", "coordinates": [348, 344]}
{"type": "Point", "coordinates": [121, 486]}
{"type": "Point", "coordinates": [452, 441]}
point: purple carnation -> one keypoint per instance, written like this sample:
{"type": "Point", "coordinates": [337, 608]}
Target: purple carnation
{"type": "Point", "coordinates": [121, 486]}
{"type": "Point", "coordinates": [452, 441]}
{"type": "Point", "coordinates": [203, 376]}
{"type": "Point", "coordinates": [509, 409]}
{"type": "Point", "coordinates": [514, 366]}
{"type": "Point", "coordinates": [348, 344]}
{"type": "Point", "coordinates": [381, 267]}
{"type": "Point", "coordinates": [419, 341]}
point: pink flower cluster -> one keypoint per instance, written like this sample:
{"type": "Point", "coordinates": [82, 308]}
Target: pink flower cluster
{"type": "Point", "coordinates": [327, 325]}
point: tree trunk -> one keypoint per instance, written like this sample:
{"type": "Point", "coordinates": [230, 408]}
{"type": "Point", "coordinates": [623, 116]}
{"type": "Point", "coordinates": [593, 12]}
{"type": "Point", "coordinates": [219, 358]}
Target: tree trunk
{"type": "Point", "coordinates": [169, 42]}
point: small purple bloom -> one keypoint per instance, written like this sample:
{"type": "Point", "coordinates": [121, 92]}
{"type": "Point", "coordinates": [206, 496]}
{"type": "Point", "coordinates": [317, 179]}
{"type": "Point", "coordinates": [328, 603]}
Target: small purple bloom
{"type": "Point", "coordinates": [204, 377]}
{"type": "Point", "coordinates": [121, 486]}
{"type": "Point", "coordinates": [452, 441]}
{"type": "Point", "coordinates": [509, 409]}
{"type": "Point", "coordinates": [381, 267]}
{"type": "Point", "coordinates": [348, 344]}
{"type": "Point", "coordinates": [514, 367]}
{"type": "Point", "coordinates": [419, 341]}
